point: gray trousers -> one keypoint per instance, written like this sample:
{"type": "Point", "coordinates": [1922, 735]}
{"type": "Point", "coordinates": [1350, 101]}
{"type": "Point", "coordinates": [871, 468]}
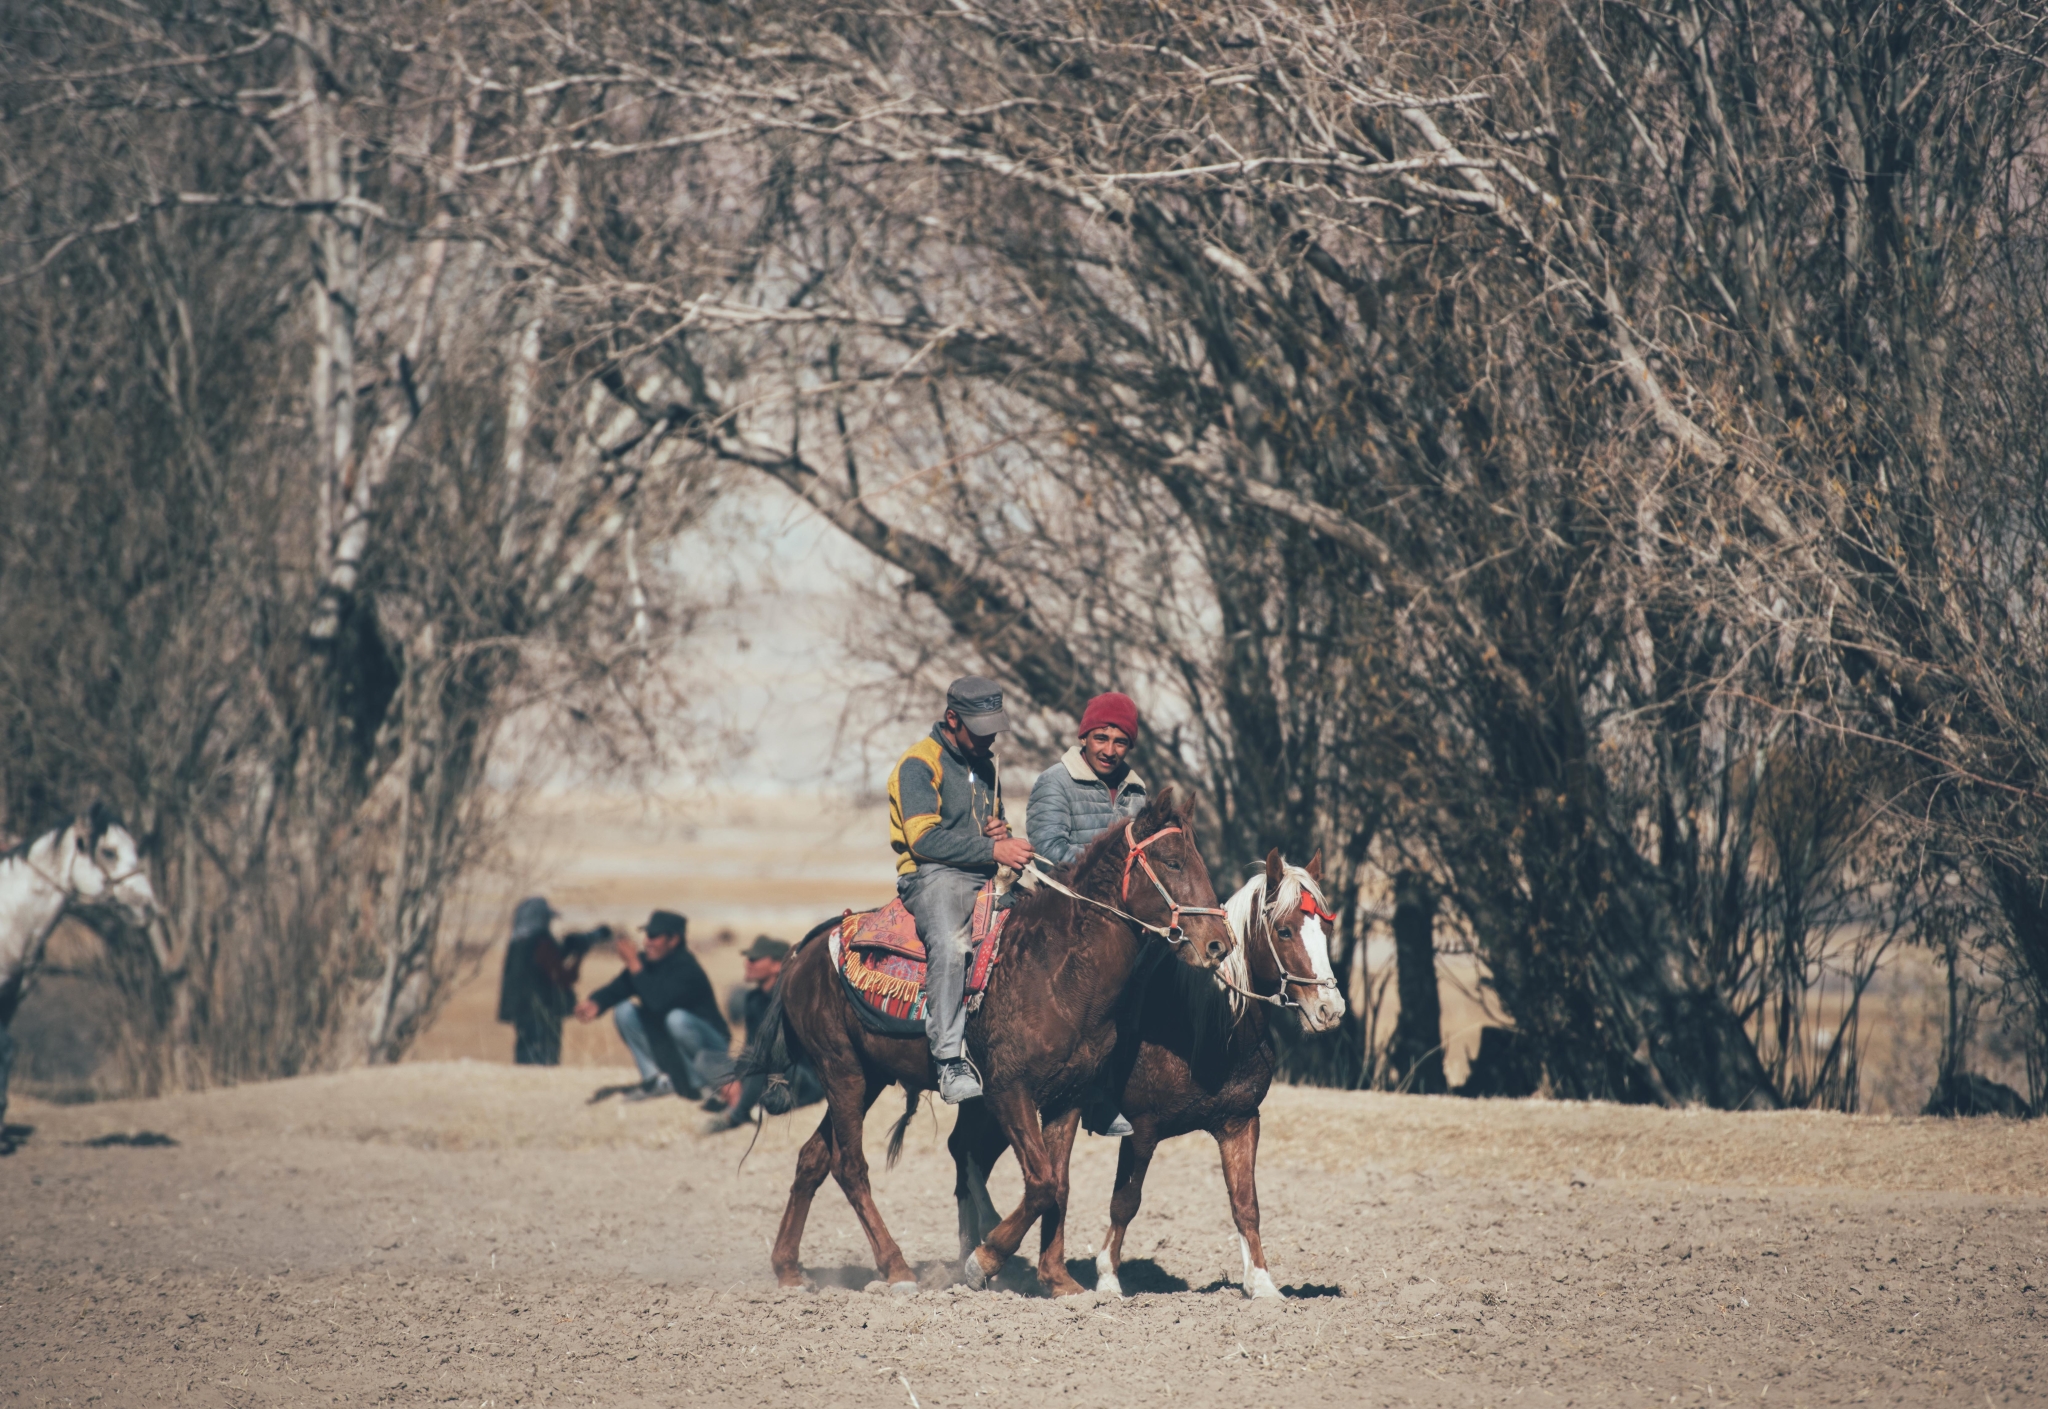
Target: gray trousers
{"type": "Point", "coordinates": [6, 1068]}
{"type": "Point", "coordinates": [941, 900]}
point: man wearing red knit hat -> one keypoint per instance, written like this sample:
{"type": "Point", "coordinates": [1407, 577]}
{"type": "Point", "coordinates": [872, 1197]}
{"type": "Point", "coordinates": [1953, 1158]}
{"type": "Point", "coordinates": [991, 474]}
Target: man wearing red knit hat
{"type": "Point", "coordinates": [1090, 790]}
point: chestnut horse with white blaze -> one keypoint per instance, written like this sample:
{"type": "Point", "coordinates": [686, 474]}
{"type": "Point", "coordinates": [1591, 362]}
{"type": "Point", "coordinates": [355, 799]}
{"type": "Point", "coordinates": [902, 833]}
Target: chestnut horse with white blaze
{"type": "Point", "coordinates": [1200, 1057]}
{"type": "Point", "coordinates": [1045, 1027]}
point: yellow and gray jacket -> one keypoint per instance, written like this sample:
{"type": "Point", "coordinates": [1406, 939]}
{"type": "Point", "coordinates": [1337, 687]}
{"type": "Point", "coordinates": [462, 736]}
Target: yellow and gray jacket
{"type": "Point", "coordinates": [938, 803]}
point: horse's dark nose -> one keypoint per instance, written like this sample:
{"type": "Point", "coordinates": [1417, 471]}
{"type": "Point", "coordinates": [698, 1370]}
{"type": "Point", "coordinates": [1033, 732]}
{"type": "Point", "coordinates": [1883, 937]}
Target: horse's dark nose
{"type": "Point", "coordinates": [1217, 949]}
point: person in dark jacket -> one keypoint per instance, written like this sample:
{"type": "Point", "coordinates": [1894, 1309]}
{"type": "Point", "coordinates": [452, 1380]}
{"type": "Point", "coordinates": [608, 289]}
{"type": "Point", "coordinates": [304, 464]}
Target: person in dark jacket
{"type": "Point", "coordinates": [538, 988]}
{"type": "Point", "coordinates": [749, 1007]}
{"type": "Point", "coordinates": [1091, 789]}
{"type": "Point", "coordinates": [671, 1024]}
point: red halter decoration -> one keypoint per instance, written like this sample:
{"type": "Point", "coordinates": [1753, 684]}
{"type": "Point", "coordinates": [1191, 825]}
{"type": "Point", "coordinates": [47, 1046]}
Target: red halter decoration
{"type": "Point", "coordinates": [1134, 851]}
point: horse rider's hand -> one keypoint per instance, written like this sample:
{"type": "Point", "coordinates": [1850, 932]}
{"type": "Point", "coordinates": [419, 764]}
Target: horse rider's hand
{"type": "Point", "coordinates": [627, 953]}
{"type": "Point", "coordinates": [996, 827]}
{"type": "Point", "coordinates": [1013, 851]}
{"type": "Point", "coordinates": [586, 1011]}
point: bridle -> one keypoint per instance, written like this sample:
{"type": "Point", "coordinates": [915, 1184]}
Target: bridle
{"type": "Point", "coordinates": [1134, 853]}
{"type": "Point", "coordinates": [1283, 999]}
{"type": "Point", "coordinates": [65, 888]}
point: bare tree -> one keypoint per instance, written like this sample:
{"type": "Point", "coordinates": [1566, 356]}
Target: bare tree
{"type": "Point", "coordinates": [1543, 408]}
{"type": "Point", "coordinates": [312, 491]}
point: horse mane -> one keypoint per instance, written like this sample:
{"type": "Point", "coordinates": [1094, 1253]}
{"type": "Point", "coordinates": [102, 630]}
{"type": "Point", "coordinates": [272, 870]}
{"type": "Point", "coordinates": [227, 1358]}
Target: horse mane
{"type": "Point", "coordinates": [1159, 813]}
{"type": "Point", "coordinates": [1104, 854]}
{"type": "Point", "coordinates": [1249, 903]}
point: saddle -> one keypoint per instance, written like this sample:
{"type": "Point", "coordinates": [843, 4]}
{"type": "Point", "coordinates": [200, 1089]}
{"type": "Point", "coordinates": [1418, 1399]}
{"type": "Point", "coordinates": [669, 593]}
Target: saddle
{"type": "Point", "coordinates": [882, 962]}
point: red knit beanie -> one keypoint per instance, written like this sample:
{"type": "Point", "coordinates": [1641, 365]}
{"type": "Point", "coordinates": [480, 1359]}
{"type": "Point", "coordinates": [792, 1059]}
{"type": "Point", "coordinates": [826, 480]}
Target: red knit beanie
{"type": "Point", "coordinates": [1118, 710]}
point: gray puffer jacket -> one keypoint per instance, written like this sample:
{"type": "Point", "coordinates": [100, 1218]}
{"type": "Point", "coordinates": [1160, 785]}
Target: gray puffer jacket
{"type": "Point", "coordinates": [1071, 807]}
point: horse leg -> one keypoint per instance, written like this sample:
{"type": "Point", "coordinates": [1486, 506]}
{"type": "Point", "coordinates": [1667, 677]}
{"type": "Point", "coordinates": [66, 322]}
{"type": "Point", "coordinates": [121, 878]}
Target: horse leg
{"type": "Point", "coordinates": [1133, 1158]}
{"type": "Point", "coordinates": [850, 1168]}
{"type": "Point", "coordinates": [1017, 1113]}
{"type": "Point", "coordinates": [1239, 1142]}
{"type": "Point", "coordinates": [812, 1164]}
{"type": "Point", "coordinates": [1052, 1229]}
{"type": "Point", "coordinates": [975, 1144]}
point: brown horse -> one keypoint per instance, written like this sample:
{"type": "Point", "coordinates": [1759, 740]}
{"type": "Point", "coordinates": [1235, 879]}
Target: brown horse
{"type": "Point", "coordinates": [1200, 1057]}
{"type": "Point", "coordinates": [1044, 1029]}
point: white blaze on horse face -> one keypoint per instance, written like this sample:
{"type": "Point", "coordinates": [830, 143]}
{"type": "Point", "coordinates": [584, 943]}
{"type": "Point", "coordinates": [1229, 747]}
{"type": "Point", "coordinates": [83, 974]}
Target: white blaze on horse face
{"type": "Point", "coordinates": [1318, 945]}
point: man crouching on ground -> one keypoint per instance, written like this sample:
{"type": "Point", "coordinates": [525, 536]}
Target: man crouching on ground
{"type": "Point", "coordinates": [674, 1030]}
{"type": "Point", "coordinates": [765, 957]}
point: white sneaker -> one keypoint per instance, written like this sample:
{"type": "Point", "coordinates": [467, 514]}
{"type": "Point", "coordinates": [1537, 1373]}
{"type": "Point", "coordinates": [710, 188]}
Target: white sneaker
{"type": "Point", "coordinates": [958, 1081]}
{"type": "Point", "coordinates": [659, 1086]}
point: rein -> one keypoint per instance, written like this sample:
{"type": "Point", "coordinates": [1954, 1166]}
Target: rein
{"type": "Point", "coordinates": [1171, 930]}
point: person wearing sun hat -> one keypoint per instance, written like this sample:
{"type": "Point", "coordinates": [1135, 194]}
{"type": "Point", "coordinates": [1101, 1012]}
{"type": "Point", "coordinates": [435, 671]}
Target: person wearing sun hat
{"type": "Point", "coordinates": [1091, 789]}
{"type": "Point", "coordinates": [947, 827]}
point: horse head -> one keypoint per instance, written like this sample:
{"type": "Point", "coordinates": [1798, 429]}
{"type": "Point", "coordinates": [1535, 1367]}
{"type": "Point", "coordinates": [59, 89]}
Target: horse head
{"type": "Point", "coordinates": [1166, 885]}
{"type": "Point", "coordinates": [1279, 919]}
{"type": "Point", "coordinates": [106, 866]}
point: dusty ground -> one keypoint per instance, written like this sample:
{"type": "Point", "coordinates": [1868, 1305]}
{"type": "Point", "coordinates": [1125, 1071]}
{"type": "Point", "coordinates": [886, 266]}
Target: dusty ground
{"type": "Point", "coordinates": [470, 1233]}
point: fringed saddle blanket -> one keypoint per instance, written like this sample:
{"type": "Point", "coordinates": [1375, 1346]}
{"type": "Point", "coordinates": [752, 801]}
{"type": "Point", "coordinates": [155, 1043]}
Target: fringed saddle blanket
{"type": "Point", "coordinates": [881, 961]}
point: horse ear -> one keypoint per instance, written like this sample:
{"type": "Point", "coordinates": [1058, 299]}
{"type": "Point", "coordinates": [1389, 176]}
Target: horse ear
{"type": "Point", "coordinates": [1315, 867]}
{"type": "Point", "coordinates": [93, 825]}
{"type": "Point", "coordinates": [1275, 873]}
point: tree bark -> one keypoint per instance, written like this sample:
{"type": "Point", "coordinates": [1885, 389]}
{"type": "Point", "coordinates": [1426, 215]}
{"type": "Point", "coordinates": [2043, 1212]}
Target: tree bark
{"type": "Point", "coordinates": [1415, 1058]}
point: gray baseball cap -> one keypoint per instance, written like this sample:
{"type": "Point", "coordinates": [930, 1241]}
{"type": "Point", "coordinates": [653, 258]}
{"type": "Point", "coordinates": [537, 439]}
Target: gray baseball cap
{"type": "Point", "coordinates": [979, 703]}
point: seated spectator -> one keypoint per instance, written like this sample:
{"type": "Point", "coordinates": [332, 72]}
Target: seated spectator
{"type": "Point", "coordinates": [672, 1025]}
{"type": "Point", "coordinates": [764, 958]}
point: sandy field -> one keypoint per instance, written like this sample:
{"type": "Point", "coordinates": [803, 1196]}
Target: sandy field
{"type": "Point", "coordinates": [472, 1233]}
{"type": "Point", "coordinates": [459, 1231]}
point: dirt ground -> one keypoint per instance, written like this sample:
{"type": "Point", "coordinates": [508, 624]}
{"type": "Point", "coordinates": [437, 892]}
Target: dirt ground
{"type": "Point", "coordinates": [462, 1232]}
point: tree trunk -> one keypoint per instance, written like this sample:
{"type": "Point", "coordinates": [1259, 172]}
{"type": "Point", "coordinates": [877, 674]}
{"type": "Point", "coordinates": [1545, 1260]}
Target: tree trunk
{"type": "Point", "coordinates": [1415, 1061]}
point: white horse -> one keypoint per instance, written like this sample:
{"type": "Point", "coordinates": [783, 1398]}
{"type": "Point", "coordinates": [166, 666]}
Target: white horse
{"type": "Point", "coordinates": [93, 861]}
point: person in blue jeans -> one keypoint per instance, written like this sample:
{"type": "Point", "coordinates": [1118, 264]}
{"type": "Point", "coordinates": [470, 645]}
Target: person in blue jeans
{"type": "Point", "coordinates": [667, 1015]}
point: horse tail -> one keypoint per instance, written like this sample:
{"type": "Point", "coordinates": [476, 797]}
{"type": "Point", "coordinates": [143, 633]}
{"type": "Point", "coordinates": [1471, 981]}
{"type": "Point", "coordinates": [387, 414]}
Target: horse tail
{"type": "Point", "coordinates": [897, 1131]}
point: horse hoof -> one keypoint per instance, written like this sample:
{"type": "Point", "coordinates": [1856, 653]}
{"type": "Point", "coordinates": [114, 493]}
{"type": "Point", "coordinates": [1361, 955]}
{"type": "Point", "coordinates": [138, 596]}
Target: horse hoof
{"type": "Point", "coordinates": [1108, 1285]}
{"type": "Point", "coordinates": [903, 1289]}
{"type": "Point", "coordinates": [1260, 1287]}
{"type": "Point", "coordinates": [973, 1273]}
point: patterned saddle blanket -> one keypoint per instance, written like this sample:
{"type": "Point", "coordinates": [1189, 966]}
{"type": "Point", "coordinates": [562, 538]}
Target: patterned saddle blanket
{"type": "Point", "coordinates": [882, 962]}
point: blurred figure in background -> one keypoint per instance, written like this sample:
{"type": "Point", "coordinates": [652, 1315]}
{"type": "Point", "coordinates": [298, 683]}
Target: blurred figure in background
{"type": "Point", "coordinates": [749, 1006]}
{"type": "Point", "coordinates": [538, 987]}
{"type": "Point", "coordinates": [672, 1025]}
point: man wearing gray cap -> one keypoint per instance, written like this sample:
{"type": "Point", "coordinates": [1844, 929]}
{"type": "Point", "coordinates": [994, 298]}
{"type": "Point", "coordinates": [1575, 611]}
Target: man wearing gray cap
{"type": "Point", "coordinates": [946, 826]}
